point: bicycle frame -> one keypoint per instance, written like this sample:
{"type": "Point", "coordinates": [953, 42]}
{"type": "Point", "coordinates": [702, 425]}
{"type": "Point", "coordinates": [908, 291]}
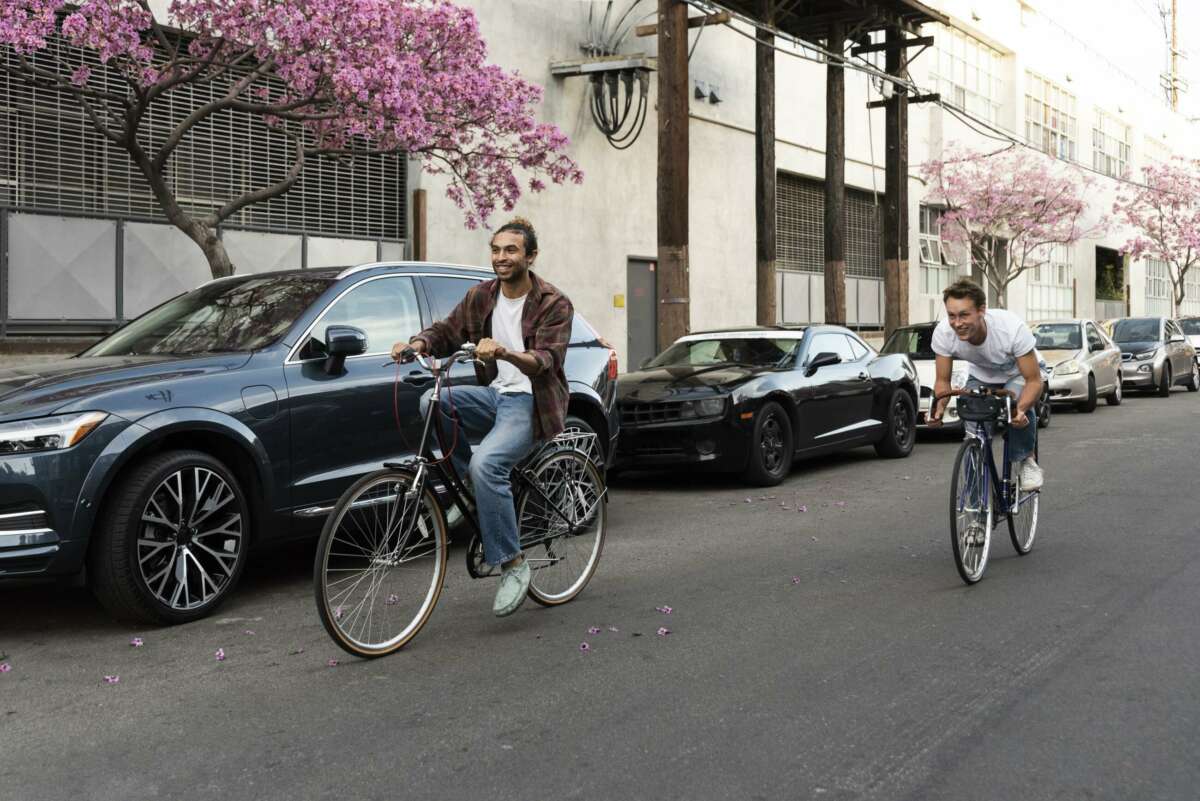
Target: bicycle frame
{"type": "Point", "coordinates": [445, 470]}
{"type": "Point", "coordinates": [1004, 489]}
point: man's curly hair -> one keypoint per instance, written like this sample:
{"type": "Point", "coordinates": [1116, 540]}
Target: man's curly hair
{"type": "Point", "coordinates": [525, 228]}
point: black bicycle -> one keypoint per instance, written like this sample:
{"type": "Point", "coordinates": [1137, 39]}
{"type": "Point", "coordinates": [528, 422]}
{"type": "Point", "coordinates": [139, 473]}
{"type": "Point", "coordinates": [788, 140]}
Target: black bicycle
{"type": "Point", "coordinates": [381, 561]}
{"type": "Point", "coordinates": [978, 491]}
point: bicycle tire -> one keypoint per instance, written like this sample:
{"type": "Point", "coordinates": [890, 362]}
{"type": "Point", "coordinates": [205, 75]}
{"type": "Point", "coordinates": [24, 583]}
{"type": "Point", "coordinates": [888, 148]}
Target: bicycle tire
{"type": "Point", "coordinates": [970, 559]}
{"type": "Point", "coordinates": [385, 552]}
{"type": "Point", "coordinates": [1023, 529]}
{"type": "Point", "coordinates": [562, 565]}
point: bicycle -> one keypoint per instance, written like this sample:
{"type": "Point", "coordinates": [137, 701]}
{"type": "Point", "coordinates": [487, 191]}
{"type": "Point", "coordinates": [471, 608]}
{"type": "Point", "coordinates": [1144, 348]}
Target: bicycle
{"type": "Point", "coordinates": [381, 559]}
{"type": "Point", "coordinates": [977, 490]}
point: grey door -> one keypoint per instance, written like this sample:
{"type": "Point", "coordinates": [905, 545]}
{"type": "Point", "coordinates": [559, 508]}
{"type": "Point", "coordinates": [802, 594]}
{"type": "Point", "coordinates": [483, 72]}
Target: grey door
{"type": "Point", "coordinates": [641, 311]}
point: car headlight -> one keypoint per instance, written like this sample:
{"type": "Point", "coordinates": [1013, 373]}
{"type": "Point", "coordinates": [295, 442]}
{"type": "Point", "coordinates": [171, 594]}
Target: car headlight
{"type": "Point", "coordinates": [48, 433]}
{"type": "Point", "coordinates": [1150, 354]}
{"type": "Point", "coordinates": [1069, 367]}
{"type": "Point", "coordinates": [958, 380]}
{"type": "Point", "coordinates": [709, 407]}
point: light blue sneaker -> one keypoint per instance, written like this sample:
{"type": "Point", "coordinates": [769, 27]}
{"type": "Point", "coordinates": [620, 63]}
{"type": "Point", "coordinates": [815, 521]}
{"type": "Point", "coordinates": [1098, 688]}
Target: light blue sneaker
{"type": "Point", "coordinates": [514, 583]}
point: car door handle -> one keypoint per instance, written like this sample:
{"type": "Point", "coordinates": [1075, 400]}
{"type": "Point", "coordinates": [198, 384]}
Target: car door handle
{"type": "Point", "coordinates": [418, 379]}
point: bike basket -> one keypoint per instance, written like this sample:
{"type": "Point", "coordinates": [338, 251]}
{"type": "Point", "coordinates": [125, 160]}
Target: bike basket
{"type": "Point", "coordinates": [980, 408]}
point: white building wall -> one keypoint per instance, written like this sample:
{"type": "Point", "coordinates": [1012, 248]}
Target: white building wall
{"type": "Point", "coordinates": [588, 232]}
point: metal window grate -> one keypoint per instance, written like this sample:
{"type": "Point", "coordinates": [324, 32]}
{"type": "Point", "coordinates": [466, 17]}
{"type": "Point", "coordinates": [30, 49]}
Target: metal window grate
{"type": "Point", "coordinates": [52, 159]}
{"type": "Point", "coordinates": [800, 232]}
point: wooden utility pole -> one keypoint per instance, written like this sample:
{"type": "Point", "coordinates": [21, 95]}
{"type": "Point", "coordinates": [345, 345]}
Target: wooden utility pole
{"type": "Point", "coordinates": [835, 179]}
{"type": "Point", "coordinates": [895, 204]}
{"type": "Point", "coordinates": [766, 303]}
{"type": "Point", "coordinates": [420, 226]}
{"type": "Point", "coordinates": [672, 272]}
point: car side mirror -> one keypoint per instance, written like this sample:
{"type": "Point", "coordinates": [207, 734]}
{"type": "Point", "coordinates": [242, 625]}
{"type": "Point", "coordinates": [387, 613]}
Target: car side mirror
{"type": "Point", "coordinates": [821, 360]}
{"type": "Point", "coordinates": [342, 341]}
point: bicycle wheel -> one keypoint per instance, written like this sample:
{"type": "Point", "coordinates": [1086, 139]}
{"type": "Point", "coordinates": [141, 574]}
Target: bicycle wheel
{"type": "Point", "coordinates": [970, 512]}
{"type": "Point", "coordinates": [562, 533]}
{"type": "Point", "coordinates": [1022, 522]}
{"type": "Point", "coordinates": [380, 563]}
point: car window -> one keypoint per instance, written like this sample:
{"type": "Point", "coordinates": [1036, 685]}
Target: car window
{"type": "Point", "coordinates": [446, 292]}
{"type": "Point", "coordinates": [914, 342]}
{"type": "Point", "coordinates": [859, 350]}
{"type": "Point", "coordinates": [581, 331]}
{"type": "Point", "coordinates": [760, 351]}
{"type": "Point", "coordinates": [1057, 336]}
{"type": "Point", "coordinates": [238, 314]}
{"type": "Point", "coordinates": [384, 308]}
{"type": "Point", "coordinates": [1093, 336]}
{"type": "Point", "coordinates": [831, 343]}
{"type": "Point", "coordinates": [1136, 329]}
{"type": "Point", "coordinates": [1190, 326]}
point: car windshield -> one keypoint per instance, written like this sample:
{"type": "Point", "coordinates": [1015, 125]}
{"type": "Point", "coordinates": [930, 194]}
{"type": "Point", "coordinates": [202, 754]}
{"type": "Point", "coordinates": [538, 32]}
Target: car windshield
{"type": "Point", "coordinates": [240, 314]}
{"type": "Point", "coordinates": [756, 351]}
{"type": "Point", "coordinates": [1136, 329]}
{"type": "Point", "coordinates": [1058, 336]}
{"type": "Point", "coordinates": [914, 342]}
{"type": "Point", "coordinates": [1191, 326]}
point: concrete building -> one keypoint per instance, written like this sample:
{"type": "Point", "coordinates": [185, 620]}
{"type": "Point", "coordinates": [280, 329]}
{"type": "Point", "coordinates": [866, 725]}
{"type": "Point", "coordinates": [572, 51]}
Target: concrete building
{"type": "Point", "coordinates": [86, 250]}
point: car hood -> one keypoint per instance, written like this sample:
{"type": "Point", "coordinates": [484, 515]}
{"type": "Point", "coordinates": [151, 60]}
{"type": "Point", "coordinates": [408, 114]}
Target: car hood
{"type": "Point", "coordinates": [1053, 357]}
{"type": "Point", "coordinates": [665, 382]}
{"type": "Point", "coordinates": [1138, 347]}
{"type": "Point", "coordinates": [927, 369]}
{"type": "Point", "coordinates": [43, 388]}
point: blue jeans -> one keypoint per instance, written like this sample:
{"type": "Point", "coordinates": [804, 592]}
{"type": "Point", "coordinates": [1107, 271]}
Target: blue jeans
{"type": "Point", "coordinates": [502, 426]}
{"type": "Point", "coordinates": [1021, 441]}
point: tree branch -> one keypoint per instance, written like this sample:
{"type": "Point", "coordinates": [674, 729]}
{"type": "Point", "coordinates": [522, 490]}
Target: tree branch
{"type": "Point", "coordinates": [267, 192]}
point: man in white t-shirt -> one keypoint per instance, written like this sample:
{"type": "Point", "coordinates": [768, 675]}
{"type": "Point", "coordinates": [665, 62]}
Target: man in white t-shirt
{"type": "Point", "coordinates": [520, 325]}
{"type": "Point", "coordinates": [999, 349]}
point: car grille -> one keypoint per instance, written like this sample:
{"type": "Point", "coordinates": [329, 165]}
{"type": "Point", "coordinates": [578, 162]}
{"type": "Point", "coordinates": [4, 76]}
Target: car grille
{"type": "Point", "coordinates": [26, 518]}
{"type": "Point", "coordinates": [635, 414]}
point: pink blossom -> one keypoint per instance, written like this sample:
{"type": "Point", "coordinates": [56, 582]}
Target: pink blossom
{"type": "Point", "coordinates": [112, 679]}
{"type": "Point", "coordinates": [584, 647]}
{"type": "Point", "coordinates": [332, 663]}
{"type": "Point", "coordinates": [594, 630]}
{"type": "Point", "coordinates": [220, 654]}
{"type": "Point", "coordinates": [5, 667]}
{"type": "Point", "coordinates": [136, 642]}
{"type": "Point", "coordinates": [663, 631]}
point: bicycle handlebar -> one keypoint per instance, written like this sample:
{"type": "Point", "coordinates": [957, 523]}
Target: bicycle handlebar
{"type": "Point", "coordinates": [463, 355]}
{"type": "Point", "coordinates": [977, 391]}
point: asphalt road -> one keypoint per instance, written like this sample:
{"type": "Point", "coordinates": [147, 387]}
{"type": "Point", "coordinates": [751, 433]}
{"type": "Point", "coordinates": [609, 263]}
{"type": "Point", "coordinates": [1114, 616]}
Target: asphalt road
{"type": "Point", "coordinates": [831, 654]}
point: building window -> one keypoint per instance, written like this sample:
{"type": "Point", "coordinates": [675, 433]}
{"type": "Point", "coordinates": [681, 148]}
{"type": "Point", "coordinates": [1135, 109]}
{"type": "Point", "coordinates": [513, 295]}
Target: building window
{"type": "Point", "coordinates": [800, 228]}
{"type": "Point", "coordinates": [1050, 122]}
{"type": "Point", "coordinates": [967, 73]}
{"type": "Point", "coordinates": [1158, 289]}
{"type": "Point", "coordinates": [1155, 150]}
{"type": "Point", "coordinates": [937, 269]}
{"type": "Point", "coordinates": [1191, 294]}
{"type": "Point", "coordinates": [1051, 286]}
{"type": "Point", "coordinates": [1110, 145]}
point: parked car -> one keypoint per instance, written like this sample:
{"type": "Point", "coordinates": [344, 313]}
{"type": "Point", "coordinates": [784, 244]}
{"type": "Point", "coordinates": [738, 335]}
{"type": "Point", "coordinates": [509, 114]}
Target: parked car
{"type": "Point", "coordinates": [225, 418]}
{"type": "Point", "coordinates": [916, 342]}
{"type": "Point", "coordinates": [1084, 362]}
{"type": "Point", "coordinates": [1155, 355]}
{"type": "Point", "coordinates": [1191, 330]}
{"type": "Point", "coordinates": [751, 400]}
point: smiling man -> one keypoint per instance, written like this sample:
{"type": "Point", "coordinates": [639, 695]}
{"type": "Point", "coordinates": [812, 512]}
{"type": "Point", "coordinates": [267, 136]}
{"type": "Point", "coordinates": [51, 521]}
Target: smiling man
{"type": "Point", "coordinates": [520, 325]}
{"type": "Point", "coordinates": [999, 349]}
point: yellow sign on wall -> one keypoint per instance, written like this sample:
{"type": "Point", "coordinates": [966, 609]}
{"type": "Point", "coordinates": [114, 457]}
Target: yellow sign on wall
{"type": "Point", "coordinates": [618, 301]}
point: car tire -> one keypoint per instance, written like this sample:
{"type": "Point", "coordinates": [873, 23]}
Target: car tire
{"type": "Point", "coordinates": [1088, 406]}
{"type": "Point", "coordinates": [1114, 398]}
{"type": "Point", "coordinates": [1164, 387]}
{"type": "Point", "coordinates": [1193, 383]}
{"type": "Point", "coordinates": [120, 558]}
{"type": "Point", "coordinates": [771, 447]}
{"type": "Point", "coordinates": [901, 431]}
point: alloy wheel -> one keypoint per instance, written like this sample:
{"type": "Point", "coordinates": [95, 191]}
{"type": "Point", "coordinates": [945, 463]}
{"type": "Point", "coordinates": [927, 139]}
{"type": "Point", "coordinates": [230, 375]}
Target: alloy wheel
{"type": "Point", "coordinates": [191, 538]}
{"type": "Point", "coordinates": [772, 444]}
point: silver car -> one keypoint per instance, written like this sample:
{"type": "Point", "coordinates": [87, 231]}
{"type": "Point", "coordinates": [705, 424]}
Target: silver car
{"type": "Point", "coordinates": [1084, 362]}
{"type": "Point", "coordinates": [1155, 355]}
{"type": "Point", "coordinates": [1191, 330]}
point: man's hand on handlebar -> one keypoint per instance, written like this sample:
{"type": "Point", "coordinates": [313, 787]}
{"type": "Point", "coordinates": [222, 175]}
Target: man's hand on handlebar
{"type": "Point", "coordinates": [1019, 418]}
{"type": "Point", "coordinates": [489, 350]}
{"type": "Point", "coordinates": [405, 352]}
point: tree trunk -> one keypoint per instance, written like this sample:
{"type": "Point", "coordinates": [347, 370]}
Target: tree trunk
{"type": "Point", "coordinates": [212, 246]}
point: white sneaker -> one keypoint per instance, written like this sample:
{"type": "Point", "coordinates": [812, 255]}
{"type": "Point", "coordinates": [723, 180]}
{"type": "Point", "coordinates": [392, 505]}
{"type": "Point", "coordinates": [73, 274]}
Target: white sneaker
{"type": "Point", "coordinates": [1031, 476]}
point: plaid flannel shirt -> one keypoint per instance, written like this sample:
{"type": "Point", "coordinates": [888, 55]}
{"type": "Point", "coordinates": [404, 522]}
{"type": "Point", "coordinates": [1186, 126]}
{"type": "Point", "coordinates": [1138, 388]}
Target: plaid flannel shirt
{"type": "Point", "coordinates": [546, 329]}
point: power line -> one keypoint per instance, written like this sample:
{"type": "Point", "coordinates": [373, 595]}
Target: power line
{"type": "Point", "coordinates": [963, 116]}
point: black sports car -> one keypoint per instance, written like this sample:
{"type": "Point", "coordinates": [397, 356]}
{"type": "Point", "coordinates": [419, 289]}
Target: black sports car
{"type": "Point", "coordinates": [751, 400]}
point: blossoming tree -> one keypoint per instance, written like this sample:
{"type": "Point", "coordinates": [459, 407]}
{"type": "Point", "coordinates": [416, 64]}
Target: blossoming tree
{"type": "Point", "coordinates": [1017, 196]}
{"type": "Point", "coordinates": [338, 78]}
{"type": "Point", "coordinates": [1164, 211]}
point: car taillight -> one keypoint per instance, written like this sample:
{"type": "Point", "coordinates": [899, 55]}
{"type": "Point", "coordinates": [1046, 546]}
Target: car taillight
{"type": "Point", "coordinates": [612, 365]}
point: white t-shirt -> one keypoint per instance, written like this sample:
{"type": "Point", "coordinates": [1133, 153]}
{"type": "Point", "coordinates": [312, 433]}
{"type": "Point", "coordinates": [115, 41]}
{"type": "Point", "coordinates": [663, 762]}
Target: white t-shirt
{"type": "Point", "coordinates": [995, 361]}
{"type": "Point", "coordinates": [506, 329]}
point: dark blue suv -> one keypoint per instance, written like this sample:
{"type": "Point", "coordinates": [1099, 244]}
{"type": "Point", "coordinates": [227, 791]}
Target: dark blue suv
{"type": "Point", "coordinates": [224, 418]}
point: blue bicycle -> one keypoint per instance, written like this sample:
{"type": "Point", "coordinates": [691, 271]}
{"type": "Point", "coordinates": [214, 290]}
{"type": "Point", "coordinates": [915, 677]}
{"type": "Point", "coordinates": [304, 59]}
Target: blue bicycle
{"type": "Point", "coordinates": [978, 492]}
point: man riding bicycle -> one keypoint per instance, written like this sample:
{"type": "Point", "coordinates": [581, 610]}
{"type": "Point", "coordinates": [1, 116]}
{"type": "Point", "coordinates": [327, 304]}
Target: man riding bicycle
{"type": "Point", "coordinates": [521, 326]}
{"type": "Point", "coordinates": [999, 348]}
